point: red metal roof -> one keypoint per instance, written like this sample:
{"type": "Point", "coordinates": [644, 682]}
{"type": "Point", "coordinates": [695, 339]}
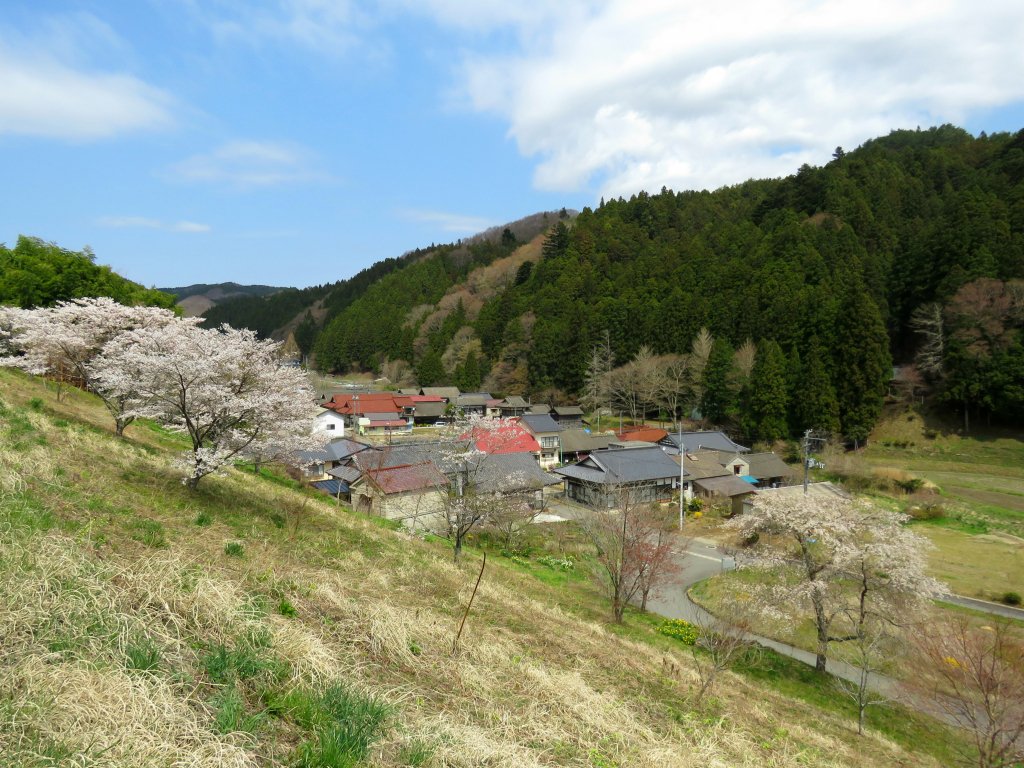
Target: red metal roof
{"type": "Point", "coordinates": [509, 437]}
{"type": "Point", "coordinates": [407, 477]}
{"type": "Point", "coordinates": [649, 435]}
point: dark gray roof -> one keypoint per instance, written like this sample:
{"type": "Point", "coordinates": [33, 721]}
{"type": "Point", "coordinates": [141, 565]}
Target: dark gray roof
{"type": "Point", "coordinates": [510, 472]}
{"type": "Point", "coordinates": [764, 465]}
{"type": "Point", "coordinates": [539, 422]}
{"type": "Point", "coordinates": [474, 399]}
{"type": "Point", "coordinates": [348, 474]}
{"type": "Point", "coordinates": [451, 393]}
{"type": "Point", "coordinates": [576, 440]}
{"type": "Point", "coordinates": [385, 416]}
{"type": "Point", "coordinates": [726, 485]}
{"type": "Point", "coordinates": [715, 441]}
{"type": "Point", "coordinates": [629, 465]}
{"type": "Point", "coordinates": [567, 410]}
{"type": "Point", "coordinates": [429, 409]}
{"type": "Point", "coordinates": [339, 450]}
{"type": "Point", "coordinates": [405, 453]}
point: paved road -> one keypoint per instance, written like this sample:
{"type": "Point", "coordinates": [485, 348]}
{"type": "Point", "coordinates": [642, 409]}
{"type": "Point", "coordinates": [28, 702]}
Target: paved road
{"type": "Point", "coordinates": [702, 560]}
{"type": "Point", "coordinates": [996, 609]}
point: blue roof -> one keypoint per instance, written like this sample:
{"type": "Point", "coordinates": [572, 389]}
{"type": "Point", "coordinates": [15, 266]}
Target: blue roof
{"type": "Point", "coordinates": [749, 479]}
{"type": "Point", "coordinates": [333, 487]}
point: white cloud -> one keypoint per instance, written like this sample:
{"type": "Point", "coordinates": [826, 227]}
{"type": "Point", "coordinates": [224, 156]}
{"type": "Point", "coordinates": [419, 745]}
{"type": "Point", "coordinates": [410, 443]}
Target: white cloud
{"type": "Point", "coordinates": [42, 97]}
{"type": "Point", "coordinates": [250, 164]}
{"type": "Point", "coordinates": [449, 222]}
{"type": "Point", "coordinates": [142, 222]}
{"type": "Point", "coordinates": [630, 95]}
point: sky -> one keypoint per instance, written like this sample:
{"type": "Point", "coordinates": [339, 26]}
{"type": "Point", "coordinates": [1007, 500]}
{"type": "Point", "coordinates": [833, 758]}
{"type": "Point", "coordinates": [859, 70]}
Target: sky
{"type": "Point", "coordinates": [295, 142]}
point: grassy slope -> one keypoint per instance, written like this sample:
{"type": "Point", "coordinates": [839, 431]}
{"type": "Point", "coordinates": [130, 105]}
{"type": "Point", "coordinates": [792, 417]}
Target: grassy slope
{"type": "Point", "coordinates": [129, 636]}
{"type": "Point", "coordinates": [980, 482]}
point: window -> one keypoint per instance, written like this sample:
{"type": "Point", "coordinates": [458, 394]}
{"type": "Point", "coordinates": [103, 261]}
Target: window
{"type": "Point", "coordinates": [329, 426]}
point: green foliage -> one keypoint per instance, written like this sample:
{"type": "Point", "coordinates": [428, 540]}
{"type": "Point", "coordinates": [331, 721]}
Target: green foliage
{"type": "Point", "coordinates": [142, 655]}
{"type": "Point", "coordinates": [234, 549]}
{"type": "Point", "coordinates": [38, 274]}
{"type": "Point", "coordinates": [203, 519]}
{"type": "Point", "coordinates": [149, 532]}
{"type": "Point", "coordinates": [229, 713]}
{"type": "Point", "coordinates": [1011, 598]}
{"type": "Point", "coordinates": [285, 608]}
{"type": "Point", "coordinates": [683, 631]}
{"type": "Point", "coordinates": [769, 400]}
{"type": "Point", "coordinates": [345, 723]}
{"type": "Point", "coordinates": [416, 753]}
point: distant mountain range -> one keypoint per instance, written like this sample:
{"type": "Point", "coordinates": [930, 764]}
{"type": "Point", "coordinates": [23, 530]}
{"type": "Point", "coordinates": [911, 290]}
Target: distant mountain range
{"type": "Point", "coordinates": [197, 299]}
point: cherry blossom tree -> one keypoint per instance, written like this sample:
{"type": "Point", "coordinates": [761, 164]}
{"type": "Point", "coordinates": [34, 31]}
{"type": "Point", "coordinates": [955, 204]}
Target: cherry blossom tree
{"type": "Point", "coordinates": [62, 341]}
{"type": "Point", "coordinates": [224, 388]}
{"type": "Point", "coordinates": [844, 561]}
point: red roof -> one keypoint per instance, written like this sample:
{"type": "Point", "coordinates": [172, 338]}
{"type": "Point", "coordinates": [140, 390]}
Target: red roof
{"type": "Point", "coordinates": [372, 402]}
{"type": "Point", "coordinates": [649, 435]}
{"type": "Point", "coordinates": [509, 437]}
{"type": "Point", "coordinates": [407, 477]}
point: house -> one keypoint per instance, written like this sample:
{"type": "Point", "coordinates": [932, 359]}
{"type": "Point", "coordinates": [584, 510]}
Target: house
{"type": "Point", "coordinates": [509, 408]}
{"type": "Point", "coordinates": [646, 434]}
{"type": "Point", "coordinates": [448, 394]}
{"type": "Point", "coordinates": [428, 409]}
{"type": "Point", "coordinates": [725, 486]}
{"type": "Point", "coordinates": [473, 403]}
{"type": "Point", "coordinates": [577, 444]}
{"type": "Point", "coordinates": [695, 441]}
{"type": "Point", "coordinates": [539, 408]}
{"type": "Point", "coordinates": [769, 470]}
{"type": "Point", "coordinates": [414, 494]}
{"type": "Point", "coordinates": [547, 432]}
{"type": "Point", "coordinates": [316, 464]}
{"type": "Point", "coordinates": [606, 477]}
{"type": "Point", "coordinates": [568, 416]}
{"type": "Point", "coordinates": [329, 420]}
{"type": "Point", "coordinates": [383, 424]}
{"type": "Point", "coordinates": [503, 437]}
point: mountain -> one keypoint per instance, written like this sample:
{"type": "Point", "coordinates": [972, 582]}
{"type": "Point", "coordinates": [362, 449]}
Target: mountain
{"type": "Point", "coordinates": [197, 299]}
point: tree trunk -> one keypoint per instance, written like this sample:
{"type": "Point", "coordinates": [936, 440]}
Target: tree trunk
{"type": "Point", "coordinates": [193, 482]}
{"type": "Point", "coordinates": [457, 549]}
{"type": "Point", "coordinates": [822, 626]}
{"type": "Point", "coordinates": [643, 600]}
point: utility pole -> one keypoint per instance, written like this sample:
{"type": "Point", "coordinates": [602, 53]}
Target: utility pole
{"type": "Point", "coordinates": [682, 483]}
{"type": "Point", "coordinates": [807, 459]}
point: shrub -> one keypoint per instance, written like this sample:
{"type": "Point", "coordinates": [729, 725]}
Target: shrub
{"type": "Point", "coordinates": [926, 511]}
{"type": "Point", "coordinates": [910, 485]}
{"type": "Point", "coordinates": [696, 504]}
{"type": "Point", "coordinates": [1011, 598]}
{"type": "Point", "coordinates": [683, 631]}
{"type": "Point", "coordinates": [234, 549]}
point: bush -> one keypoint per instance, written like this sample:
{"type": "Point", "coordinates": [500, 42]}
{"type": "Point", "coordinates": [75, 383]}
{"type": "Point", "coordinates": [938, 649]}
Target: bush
{"type": "Point", "coordinates": [926, 511]}
{"type": "Point", "coordinates": [556, 563]}
{"type": "Point", "coordinates": [1012, 598]}
{"type": "Point", "coordinates": [911, 485]}
{"type": "Point", "coordinates": [683, 631]}
{"type": "Point", "coordinates": [696, 504]}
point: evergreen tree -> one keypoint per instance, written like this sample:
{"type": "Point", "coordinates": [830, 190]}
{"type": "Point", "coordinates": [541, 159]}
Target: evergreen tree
{"type": "Point", "coordinates": [766, 418]}
{"type": "Point", "coordinates": [468, 377]}
{"type": "Point", "coordinates": [862, 364]}
{"type": "Point", "coordinates": [430, 371]}
{"type": "Point", "coordinates": [718, 398]}
{"type": "Point", "coordinates": [815, 404]}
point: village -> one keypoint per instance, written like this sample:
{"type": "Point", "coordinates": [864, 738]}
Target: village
{"type": "Point", "coordinates": [400, 455]}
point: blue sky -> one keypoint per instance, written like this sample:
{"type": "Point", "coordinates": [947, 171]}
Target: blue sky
{"type": "Point", "coordinates": [202, 140]}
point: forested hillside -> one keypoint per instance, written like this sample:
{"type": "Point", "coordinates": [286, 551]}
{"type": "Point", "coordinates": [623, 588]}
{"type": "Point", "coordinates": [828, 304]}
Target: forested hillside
{"type": "Point", "coordinates": [36, 274]}
{"type": "Point", "coordinates": [822, 272]}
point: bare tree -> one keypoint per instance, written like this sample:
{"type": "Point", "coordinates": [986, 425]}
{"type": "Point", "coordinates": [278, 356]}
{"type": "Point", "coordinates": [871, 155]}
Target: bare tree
{"type": "Point", "coordinates": [700, 351]}
{"type": "Point", "coordinates": [721, 641]}
{"type": "Point", "coordinates": [868, 652]}
{"type": "Point", "coordinates": [743, 362]}
{"type": "Point", "coordinates": [632, 549]}
{"type": "Point", "coordinates": [675, 381]}
{"type": "Point", "coordinates": [926, 320]}
{"type": "Point", "coordinates": [597, 385]}
{"type": "Point", "coordinates": [976, 676]}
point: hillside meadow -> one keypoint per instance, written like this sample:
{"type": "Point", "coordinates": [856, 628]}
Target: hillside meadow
{"type": "Point", "coordinates": [251, 623]}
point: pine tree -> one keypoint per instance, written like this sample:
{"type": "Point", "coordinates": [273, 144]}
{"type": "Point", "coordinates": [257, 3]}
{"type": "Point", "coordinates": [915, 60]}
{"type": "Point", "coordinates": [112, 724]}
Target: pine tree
{"type": "Point", "coordinates": [430, 371]}
{"type": "Point", "coordinates": [766, 418]}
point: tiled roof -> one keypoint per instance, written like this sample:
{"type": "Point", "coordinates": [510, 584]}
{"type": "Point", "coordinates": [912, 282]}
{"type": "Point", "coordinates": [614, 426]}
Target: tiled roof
{"type": "Point", "coordinates": [567, 410]}
{"type": "Point", "coordinates": [338, 450]}
{"type": "Point", "coordinates": [540, 408]}
{"type": "Point", "coordinates": [332, 487]}
{"type": "Point", "coordinates": [507, 473]}
{"type": "Point", "coordinates": [625, 465]}
{"type": "Point", "coordinates": [577, 440]}
{"type": "Point", "coordinates": [449, 393]}
{"type": "Point", "coordinates": [473, 399]}
{"type": "Point", "coordinates": [515, 401]}
{"type": "Point", "coordinates": [764, 465]}
{"type": "Point", "coordinates": [348, 474]}
{"type": "Point", "coordinates": [715, 441]}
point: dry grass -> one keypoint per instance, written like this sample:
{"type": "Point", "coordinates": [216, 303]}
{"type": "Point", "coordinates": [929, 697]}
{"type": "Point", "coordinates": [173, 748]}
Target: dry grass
{"type": "Point", "coordinates": [532, 684]}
